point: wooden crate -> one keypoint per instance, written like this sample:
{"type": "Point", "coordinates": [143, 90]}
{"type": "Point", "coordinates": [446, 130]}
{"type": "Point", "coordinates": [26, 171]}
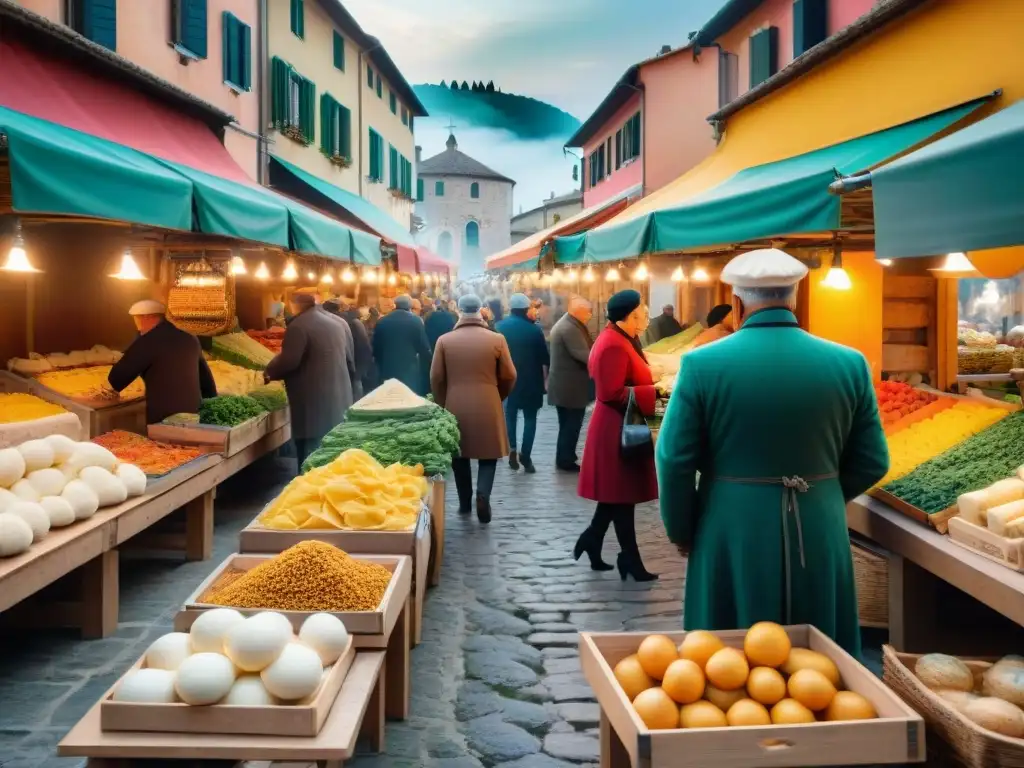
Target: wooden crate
{"type": "Point", "coordinates": [378, 622]}
{"type": "Point", "coordinates": [224, 440]}
{"type": "Point", "coordinates": [939, 521]}
{"type": "Point", "coordinates": [982, 541]}
{"type": "Point", "coordinates": [871, 575]}
{"type": "Point", "coordinates": [304, 718]}
{"type": "Point", "coordinates": [277, 419]}
{"type": "Point", "coordinates": [897, 736]}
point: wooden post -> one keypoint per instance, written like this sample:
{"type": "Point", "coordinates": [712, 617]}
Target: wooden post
{"type": "Point", "coordinates": [199, 527]}
{"type": "Point", "coordinates": [437, 491]}
{"type": "Point", "coordinates": [100, 587]}
{"type": "Point", "coordinates": [613, 751]}
{"type": "Point", "coordinates": [396, 661]}
{"type": "Point", "coordinates": [373, 720]}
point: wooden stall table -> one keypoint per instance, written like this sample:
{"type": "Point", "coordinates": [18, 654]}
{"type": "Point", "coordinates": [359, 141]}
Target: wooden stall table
{"type": "Point", "coordinates": [920, 558]}
{"type": "Point", "coordinates": [437, 491]}
{"type": "Point", "coordinates": [358, 711]}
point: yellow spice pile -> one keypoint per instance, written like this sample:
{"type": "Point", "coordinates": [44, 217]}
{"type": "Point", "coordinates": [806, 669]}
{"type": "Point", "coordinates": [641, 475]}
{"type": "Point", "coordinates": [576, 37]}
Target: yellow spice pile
{"type": "Point", "coordinates": [311, 576]}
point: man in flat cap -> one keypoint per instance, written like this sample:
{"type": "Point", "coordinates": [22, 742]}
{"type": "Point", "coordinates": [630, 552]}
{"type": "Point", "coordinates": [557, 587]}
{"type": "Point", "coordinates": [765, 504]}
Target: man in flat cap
{"type": "Point", "coordinates": [530, 357]}
{"type": "Point", "coordinates": [400, 346]}
{"type": "Point", "coordinates": [169, 361]}
{"type": "Point", "coordinates": [783, 429]}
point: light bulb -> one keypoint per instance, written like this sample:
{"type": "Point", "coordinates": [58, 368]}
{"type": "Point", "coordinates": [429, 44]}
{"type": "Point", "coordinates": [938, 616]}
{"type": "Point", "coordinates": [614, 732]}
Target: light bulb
{"type": "Point", "coordinates": [290, 273]}
{"type": "Point", "coordinates": [956, 262]}
{"type": "Point", "coordinates": [17, 259]}
{"type": "Point", "coordinates": [262, 273]}
{"type": "Point", "coordinates": [426, 278]}
{"type": "Point", "coordinates": [392, 280]}
{"type": "Point", "coordinates": [348, 276]}
{"type": "Point", "coordinates": [885, 262]}
{"type": "Point", "coordinates": [129, 269]}
{"type": "Point", "coordinates": [677, 275]}
{"type": "Point", "coordinates": [641, 273]}
{"type": "Point", "coordinates": [701, 275]}
{"type": "Point", "coordinates": [837, 279]}
{"type": "Point", "coordinates": [573, 275]}
{"type": "Point", "coordinates": [369, 277]}
{"type": "Point", "coordinates": [238, 266]}
{"type": "Point", "coordinates": [588, 275]}
{"type": "Point", "coordinates": [612, 275]}
{"type": "Point", "coordinates": [327, 278]}
{"type": "Point", "coordinates": [415, 279]}
{"type": "Point", "coordinates": [311, 275]}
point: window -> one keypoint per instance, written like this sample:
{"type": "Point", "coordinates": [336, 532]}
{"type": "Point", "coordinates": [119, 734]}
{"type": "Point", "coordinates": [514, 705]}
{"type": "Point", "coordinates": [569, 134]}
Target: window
{"type": "Point", "coordinates": [405, 116]}
{"type": "Point", "coordinates": [188, 26]}
{"type": "Point", "coordinates": [298, 18]}
{"type": "Point", "coordinates": [237, 52]}
{"type": "Point", "coordinates": [419, 190]}
{"type": "Point", "coordinates": [618, 148]}
{"type": "Point", "coordinates": [472, 234]}
{"type": "Point", "coordinates": [597, 165]}
{"type": "Point", "coordinates": [96, 20]}
{"type": "Point", "coordinates": [339, 51]}
{"type": "Point", "coordinates": [608, 155]}
{"type": "Point", "coordinates": [380, 87]}
{"type": "Point", "coordinates": [369, 76]}
{"type": "Point", "coordinates": [438, 189]}
{"type": "Point", "coordinates": [376, 156]}
{"type": "Point", "coordinates": [764, 55]}
{"type": "Point", "coordinates": [810, 24]}
{"type": "Point", "coordinates": [394, 171]}
{"type": "Point", "coordinates": [474, 191]}
{"type": "Point", "coordinates": [444, 245]}
{"type": "Point", "coordinates": [631, 139]}
{"type": "Point", "coordinates": [393, 102]}
{"type": "Point", "coordinates": [335, 128]}
{"type": "Point", "coordinates": [410, 123]}
{"type": "Point", "coordinates": [728, 77]}
{"type": "Point", "coordinates": [406, 177]}
{"type": "Point", "coordinates": [293, 107]}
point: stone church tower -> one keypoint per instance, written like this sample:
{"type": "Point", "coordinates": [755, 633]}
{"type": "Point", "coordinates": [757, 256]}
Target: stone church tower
{"type": "Point", "coordinates": [466, 208]}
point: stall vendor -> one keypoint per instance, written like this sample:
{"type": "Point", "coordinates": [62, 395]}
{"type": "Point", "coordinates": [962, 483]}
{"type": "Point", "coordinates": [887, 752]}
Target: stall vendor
{"type": "Point", "coordinates": [719, 325]}
{"type": "Point", "coordinates": [783, 429]}
{"type": "Point", "coordinates": [170, 362]}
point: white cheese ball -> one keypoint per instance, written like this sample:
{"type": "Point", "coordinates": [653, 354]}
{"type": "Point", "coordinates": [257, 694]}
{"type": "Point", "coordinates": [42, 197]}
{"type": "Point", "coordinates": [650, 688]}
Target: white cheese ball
{"type": "Point", "coordinates": [249, 691]}
{"type": "Point", "coordinates": [256, 642]}
{"type": "Point", "coordinates": [146, 686]}
{"type": "Point", "coordinates": [25, 491]}
{"type": "Point", "coordinates": [168, 651]}
{"type": "Point", "coordinates": [62, 445]}
{"type": "Point", "coordinates": [295, 674]}
{"type": "Point", "coordinates": [47, 482]}
{"type": "Point", "coordinates": [6, 499]}
{"type": "Point", "coordinates": [133, 478]}
{"type": "Point", "coordinates": [208, 630]}
{"type": "Point", "coordinates": [204, 678]}
{"type": "Point", "coordinates": [109, 490]}
{"type": "Point", "coordinates": [12, 467]}
{"type": "Point", "coordinates": [34, 515]}
{"type": "Point", "coordinates": [37, 454]}
{"type": "Point", "coordinates": [278, 619]}
{"type": "Point", "coordinates": [325, 634]}
{"type": "Point", "coordinates": [58, 510]}
{"type": "Point", "coordinates": [15, 535]}
{"type": "Point", "coordinates": [82, 499]}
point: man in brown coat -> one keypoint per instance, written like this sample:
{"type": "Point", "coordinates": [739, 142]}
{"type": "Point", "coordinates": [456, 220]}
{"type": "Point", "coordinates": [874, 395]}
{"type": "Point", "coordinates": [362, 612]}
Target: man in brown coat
{"type": "Point", "coordinates": [470, 375]}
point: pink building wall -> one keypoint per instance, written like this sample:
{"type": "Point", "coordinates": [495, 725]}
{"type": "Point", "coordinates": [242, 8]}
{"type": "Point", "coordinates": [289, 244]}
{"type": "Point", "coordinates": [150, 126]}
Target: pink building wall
{"type": "Point", "coordinates": [679, 93]}
{"type": "Point", "coordinates": [618, 180]}
{"type": "Point", "coordinates": [143, 38]}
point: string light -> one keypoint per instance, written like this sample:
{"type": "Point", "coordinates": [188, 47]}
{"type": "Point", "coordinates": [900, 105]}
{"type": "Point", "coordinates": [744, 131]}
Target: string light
{"type": "Point", "coordinates": [327, 278]}
{"type": "Point", "coordinates": [238, 266]}
{"type": "Point", "coordinates": [369, 276]}
{"type": "Point", "coordinates": [588, 275]}
{"type": "Point", "coordinates": [641, 274]}
{"type": "Point", "coordinates": [700, 275]}
{"type": "Point", "coordinates": [392, 280]}
{"type": "Point", "coordinates": [348, 276]}
{"type": "Point", "coordinates": [612, 275]}
{"type": "Point", "coordinates": [129, 269]}
{"type": "Point", "coordinates": [262, 273]}
{"type": "Point", "coordinates": [677, 275]}
{"type": "Point", "coordinates": [573, 275]}
{"type": "Point", "coordinates": [311, 275]}
{"type": "Point", "coordinates": [290, 273]}
{"type": "Point", "coordinates": [17, 258]}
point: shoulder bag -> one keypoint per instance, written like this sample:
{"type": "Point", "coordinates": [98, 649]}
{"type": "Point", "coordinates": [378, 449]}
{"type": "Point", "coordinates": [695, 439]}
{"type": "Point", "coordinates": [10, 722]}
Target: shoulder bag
{"type": "Point", "coordinates": [635, 440]}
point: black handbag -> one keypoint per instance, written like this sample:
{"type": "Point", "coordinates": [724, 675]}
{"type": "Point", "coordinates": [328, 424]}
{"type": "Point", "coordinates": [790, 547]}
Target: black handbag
{"type": "Point", "coordinates": [636, 440]}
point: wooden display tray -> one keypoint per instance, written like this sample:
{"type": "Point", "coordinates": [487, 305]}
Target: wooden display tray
{"type": "Point", "coordinates": [358, 710]}
{"type": "Point", "coordinates": [304, 718]}
{"type": "Point", "coordinates": [982, 541]}
{"type": "Point", "coordinates": [897, 736]}
{"type": "Point", "coordinates": [378, 622]}
{"type": "Point", "coordinates": [939, 521]}
{"type": "Point", "coordinates": [224, 440]}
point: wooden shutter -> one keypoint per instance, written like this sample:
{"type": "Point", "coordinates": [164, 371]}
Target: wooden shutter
{"type": "Point", "coordinates": [369, 76]}
{"type": "Point", "coordinates": [410, 123]}
{"type": "Point", "coordinates": [326, 134]}
{"type": "Point", "coordinates": [810, 24]}
{"type": "Point", "coordinates": [764, 55]}
{"type": "Point", "coordinates": [419, 190]}
{"type": "Point", "coordinates": [298, 18]}
{"type": "Point", "coordinates": [280, 98]}
{"type": "Point", "coordinates": [229, 45]}
{"type": "Point", "coordinates": [98, 22]}
{"type": "Point", "coordinates": [307, 110]}
{"type": "Point", "coordinates": [190, 26]}
{"type": "Point", "coordinates": [345, 118]}
{"type": "Point", "coordinates": [393, 182]}
{"type": "Point", "coordinates": [618, 149]}
{"type": "Point", "coordinates": [245, 38]}
{"type": "Point", "coordinates": [636, 127]}
{"type": "Point", "coordinates": [339, 51]}
{"type": "Point", "coordinates": [380, 87]}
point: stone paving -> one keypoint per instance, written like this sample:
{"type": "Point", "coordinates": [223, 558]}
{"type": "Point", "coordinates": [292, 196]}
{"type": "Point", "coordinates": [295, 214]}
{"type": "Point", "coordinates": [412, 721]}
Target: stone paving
{"type": "Point", "coordinates": [496, 680]}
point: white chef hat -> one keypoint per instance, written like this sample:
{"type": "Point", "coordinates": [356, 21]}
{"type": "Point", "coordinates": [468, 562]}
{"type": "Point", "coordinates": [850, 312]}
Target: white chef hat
{"type": "Point", "coordinates": [764, 268]}
{"type": "Point", "coordinates": [147, 307]}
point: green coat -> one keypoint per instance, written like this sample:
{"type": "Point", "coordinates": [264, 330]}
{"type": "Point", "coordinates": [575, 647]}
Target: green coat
{"type": "Point", "coordinates": [769, 402]}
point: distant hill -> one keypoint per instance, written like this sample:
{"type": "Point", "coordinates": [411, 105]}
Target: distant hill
{"type": "Point", "coordinates": [527, 119]}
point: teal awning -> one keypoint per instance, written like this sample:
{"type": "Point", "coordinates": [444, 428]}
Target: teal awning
{"type": "Point", "coordinates": [965, 192]}
{"type": "Point", "coordinates": [530, 265]}
{"type": "Point", "coordinates": [365, 248]}
{"type": "Point", "coordinates": [59, 170]}
{"type": "Point", "coordinates": [357, 207]}
{"type": "Point", "coordinates": [786, 197]}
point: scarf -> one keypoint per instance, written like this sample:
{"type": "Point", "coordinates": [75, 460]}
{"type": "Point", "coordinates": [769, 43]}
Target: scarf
{"type": "Point", "coordinates": [633, 340]}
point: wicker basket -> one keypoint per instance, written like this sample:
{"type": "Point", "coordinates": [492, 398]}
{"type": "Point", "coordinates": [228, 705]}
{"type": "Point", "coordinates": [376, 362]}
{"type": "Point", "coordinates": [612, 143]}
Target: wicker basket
{"type": "Point", "coordinates": [871, 575]}
{"type": "Point", "coordinates": [202, 299]}
{"type": "Point", "coordinates": [971, 744]}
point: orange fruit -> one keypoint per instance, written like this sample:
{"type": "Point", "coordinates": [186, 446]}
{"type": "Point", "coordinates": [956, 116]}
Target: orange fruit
{"type": "Point", "coordinates": [702, 714]}
{"type": "Point", "coordinates": [656, 652]}
{"type": "Point", "coordinates": [805, 658]}
{"type": "Point", "coordinates": [766, 685]}
{"type": "Point", "coordinates": [723, 699]}
{"type": "Point", "coordinates": [683, 681]}
{"type": "Point", "coordinates": [791, 712]}
{"type": "Point", "coordinates": [811, 688]}
{"type": "Point", "coordinates": [632, 678]}
{"type": "Point", "coordinates": [766, 644]}
{"type": "Point", "coordinates": [847, 705]}
{"type": "Point", "coordinates": [699, 646]}
{"type": "Point", "coordinates": [727, 669]}
{"type": "Point", "coordinates": [747, 712]}
{"type": "Point", "coordinates": [656, 709]}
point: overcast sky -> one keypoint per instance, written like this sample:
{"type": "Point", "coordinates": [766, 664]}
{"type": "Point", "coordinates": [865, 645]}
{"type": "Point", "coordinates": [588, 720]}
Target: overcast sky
{"type": "Point", "coordinates": [568, 53]}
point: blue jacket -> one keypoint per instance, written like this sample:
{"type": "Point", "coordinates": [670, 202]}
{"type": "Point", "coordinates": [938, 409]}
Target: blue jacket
{"type": "Point", "coordinates": [401, 349]}
{"type": "Point", "coordinates": [530, 356]}
{"type": "Point", "coordinates": [440, 322]}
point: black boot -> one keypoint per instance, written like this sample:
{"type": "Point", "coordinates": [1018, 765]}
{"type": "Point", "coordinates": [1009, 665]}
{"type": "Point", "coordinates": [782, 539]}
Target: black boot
{"type": "Point", "coordinates": [589, 543]}
{"type": "Point", "coordinates": [483, 509]}
{"type": "Point", "coordinates": [513, 460]}
{"type": "Point", "coordinates": [463, 484]}
{"type": "Point", "coordinates": [629, 561]}
{"type": "Point", "coordinates": [633, 566]}
{"type": "Point", "coordinates": [528, 467]}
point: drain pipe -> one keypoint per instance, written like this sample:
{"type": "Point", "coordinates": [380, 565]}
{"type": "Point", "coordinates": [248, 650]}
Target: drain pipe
{"type": "Point", "coordinates": [262, 171]}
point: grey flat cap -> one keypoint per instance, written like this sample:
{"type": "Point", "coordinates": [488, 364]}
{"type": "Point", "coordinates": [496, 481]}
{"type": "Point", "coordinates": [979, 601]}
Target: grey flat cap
{"type": "Point", "coordinates": [403, 302]}
{"type": "Point", "coordinates": [470, 304]}
{"type": "Point", "coordinates": [518, 301]}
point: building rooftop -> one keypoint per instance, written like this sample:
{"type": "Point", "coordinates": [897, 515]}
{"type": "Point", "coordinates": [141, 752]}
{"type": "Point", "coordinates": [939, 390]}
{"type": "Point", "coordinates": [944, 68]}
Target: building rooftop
{"type": "Point", "coordinates": [576, 196]}
{"type": "Point", "coordinates": [452, 162]}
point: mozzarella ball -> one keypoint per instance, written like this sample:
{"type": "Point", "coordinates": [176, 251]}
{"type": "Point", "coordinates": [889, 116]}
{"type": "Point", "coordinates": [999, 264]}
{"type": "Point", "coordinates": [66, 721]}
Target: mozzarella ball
{"type": "Point", "coordinates": [249, 691]}
{"type": "Point", "coordinates": [325, 634]}
{"type": "Point", "coordinates": [275, 618]}
{"type": "Point", "coordinates": [209, 628]}
{"type": "Point", "coordinates": [204, 678]}
{"type": "Point", "coordinates": [295, 674]}
{"type": "Point", "coordinates": [146, 686]}
{"type": "Point", "coordinates": [34, 515]}
{"type": "Point", "coordinates": [255, 643]}
{"type": "Point", "coordinates": [168, 651]}
{"type": "Point", "coordinates": [58, 510]}
{"type": "Point", "coordinates": [134, 479]}
{"type": "Point", "coordinates": [15, 535]}
{"type": "Point", "coordinates": [82, 499]}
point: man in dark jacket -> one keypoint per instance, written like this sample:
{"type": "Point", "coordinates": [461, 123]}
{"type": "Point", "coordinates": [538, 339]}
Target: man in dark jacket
{"type": "Point", "coordinates": [170, 362]}
{"type": "Point", "coordinates": [313, 366]}
{"type": "Point", "coordinates": [361, 350]}
{"type": "Point", "coordinates": [663, 326]}
{"type": "Point", "coordinates": [400, 347]}
{"type": "Point", "coordinates": [569, 382]}
{"type": "Point", "coordinates": [440, 322]}
{"type": "Point", "coordinates": [530, 357]}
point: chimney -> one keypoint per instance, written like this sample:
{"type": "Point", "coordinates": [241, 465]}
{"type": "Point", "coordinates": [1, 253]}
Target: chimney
{"type": "Point", "coordinates": [419, 154]}
{"type": "Point", "coordinates": [666, 49]}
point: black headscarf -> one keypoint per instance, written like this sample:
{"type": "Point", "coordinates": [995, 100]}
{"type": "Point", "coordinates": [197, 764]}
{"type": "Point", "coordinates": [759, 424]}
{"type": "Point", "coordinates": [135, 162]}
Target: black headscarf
{"type": "Point", "coordinates": [621, 304]}
{"type": "Point", "coordinates": [718, 314]}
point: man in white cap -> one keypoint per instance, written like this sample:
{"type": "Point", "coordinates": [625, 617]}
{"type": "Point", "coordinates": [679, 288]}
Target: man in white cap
{"type": "Point", "coordinates": [782, 429]}
{"type": "Point", "coordinates": [169, 361]}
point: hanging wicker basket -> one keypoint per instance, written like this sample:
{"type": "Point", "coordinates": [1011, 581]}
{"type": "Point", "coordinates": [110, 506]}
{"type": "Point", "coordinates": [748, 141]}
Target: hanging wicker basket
{"type": "Point", "coordinates": [202, 297]}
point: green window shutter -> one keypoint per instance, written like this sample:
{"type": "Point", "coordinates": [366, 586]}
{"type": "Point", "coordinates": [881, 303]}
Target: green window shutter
{"type": "Point", "coordinates": [439, 189]}
{"type": "Point", "coordinates": [245, 35]}
{"type": "Point", "coordinates": [636, 135]}
{"type": "Point", "coordinates": [97, 20]}
{"type": "Point", "coordinates": [419, 190]}
{"type": "Point", "coordinates": [618, 148]}
{"type": "Point", "coordinates": [474, 191]}
{"type": "Point", "coordinates": [393, 103]}
{"type": "Point", "coordinates": [405, 116]}
{"type": "Point", "coordinates": [339, 51]}
{"type": "Point", "coordinates": [237, 51]}
{"type": "Point", "coordinates": [764, 49]}
{"type": "Point", "coordinates": [307, 110]}
{"type": "Point", "coordinates": [326, 134]}
{"type": "Point", "coordinates": [369, 76]}
{"type": "Point", "coordinates": [345, 118]}
{"type": "Point", "coordinates": [393, 182]}
{"type": "Point", "coordinates": [376, 156]}
{"type": "Point", "coordinates": [380, 87]}
{"type": "Point", "coordinates": [810, 24]}
{"type": "Point", "coordinates": [189, 27]}
{"type": "Point", "coordinates": [410, 123]}
{"type": "Point", "coordinates": [280, 78]}
{"type": "Point", "coordinates": [298, 18]}
{"type": "Point", "coordinates": [229, 43]}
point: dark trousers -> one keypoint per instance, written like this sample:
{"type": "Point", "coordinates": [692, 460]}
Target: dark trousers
{"type": "Point", "coordinates": [623, 517]}
{"type": "Point", "coordinates": [570, 422]}
{"type": "Point", "coordinates": [303, 447]}
{"type": "Point", "coordinates": [529, 428]}
{"type": "Point", "coordinates": [464, 478]}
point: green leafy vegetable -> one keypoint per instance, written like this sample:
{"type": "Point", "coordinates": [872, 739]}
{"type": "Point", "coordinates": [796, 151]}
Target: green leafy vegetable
{"type": "Point", "coordinates": [271, 398]}
{"type": "Point", "coordinates": [229, 410]}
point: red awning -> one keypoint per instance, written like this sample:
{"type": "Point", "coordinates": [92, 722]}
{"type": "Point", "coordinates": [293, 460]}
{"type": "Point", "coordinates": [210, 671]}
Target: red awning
{"type": "Point", "coordinates": [406, 259]}
{"type": "Point", "coordinates": [428, 261]}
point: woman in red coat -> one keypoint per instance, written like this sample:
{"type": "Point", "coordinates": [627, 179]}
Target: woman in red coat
{"type": "Point", "coordinates": [617, 365]}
